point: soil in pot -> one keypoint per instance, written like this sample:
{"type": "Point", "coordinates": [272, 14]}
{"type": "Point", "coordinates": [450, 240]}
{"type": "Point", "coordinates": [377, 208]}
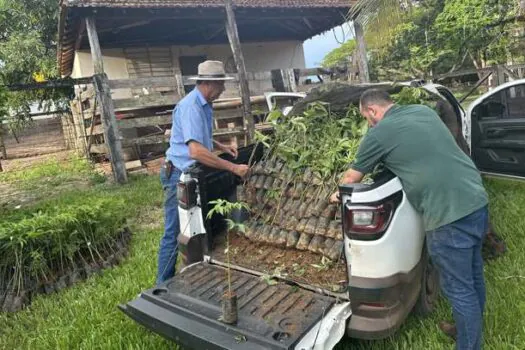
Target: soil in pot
{"type": "Point", "coordinates": [229, 308]}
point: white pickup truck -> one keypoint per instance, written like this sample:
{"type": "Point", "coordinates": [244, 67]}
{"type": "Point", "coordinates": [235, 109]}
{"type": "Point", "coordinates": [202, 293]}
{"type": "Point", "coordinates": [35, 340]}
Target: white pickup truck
{"type": "Point", "coordinates": [388, 271]}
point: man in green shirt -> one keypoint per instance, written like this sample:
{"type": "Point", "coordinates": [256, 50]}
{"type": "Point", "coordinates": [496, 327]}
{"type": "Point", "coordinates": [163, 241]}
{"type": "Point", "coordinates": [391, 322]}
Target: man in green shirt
{"type": "Point", "coordinates": [444, 186]}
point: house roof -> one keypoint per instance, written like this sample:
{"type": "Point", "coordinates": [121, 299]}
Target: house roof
{"type": "Point", "coordinates": [205, 3]}
{"type": "Point", "coordinates": [136, 23]}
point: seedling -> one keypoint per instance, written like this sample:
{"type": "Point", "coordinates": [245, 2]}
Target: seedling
{"type": "Point", "coordinates": [225, 208]}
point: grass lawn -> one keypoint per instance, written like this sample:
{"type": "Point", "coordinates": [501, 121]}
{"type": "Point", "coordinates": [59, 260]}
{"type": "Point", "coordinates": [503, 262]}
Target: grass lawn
{"type": "Point", "coordinates": [86, 315]}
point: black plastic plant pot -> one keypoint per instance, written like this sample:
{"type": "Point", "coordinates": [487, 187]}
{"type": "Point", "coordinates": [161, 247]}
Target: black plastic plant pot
{"type": "Point", "coordinates": [229, 308]}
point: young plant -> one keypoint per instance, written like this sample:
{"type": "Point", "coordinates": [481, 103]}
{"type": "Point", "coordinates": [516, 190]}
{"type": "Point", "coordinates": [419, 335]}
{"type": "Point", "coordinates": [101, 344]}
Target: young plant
{"type": "Point", "coordinates": [225, 209]}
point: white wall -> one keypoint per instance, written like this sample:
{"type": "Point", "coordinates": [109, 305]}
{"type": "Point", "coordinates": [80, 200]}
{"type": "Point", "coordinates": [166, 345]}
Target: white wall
{"type": "Point", "coordinates": [114, 66]}
{"type": "Point", "coordinates": [259, 57]}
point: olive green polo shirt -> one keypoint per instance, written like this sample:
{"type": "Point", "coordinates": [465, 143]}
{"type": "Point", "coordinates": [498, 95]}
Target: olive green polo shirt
{"type": "Point", "coordinates": [440, 180]}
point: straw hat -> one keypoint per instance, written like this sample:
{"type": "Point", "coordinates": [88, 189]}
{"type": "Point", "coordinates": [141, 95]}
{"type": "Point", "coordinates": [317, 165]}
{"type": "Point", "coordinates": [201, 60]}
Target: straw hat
{"type": "Point", "coordinates": [211, 70]}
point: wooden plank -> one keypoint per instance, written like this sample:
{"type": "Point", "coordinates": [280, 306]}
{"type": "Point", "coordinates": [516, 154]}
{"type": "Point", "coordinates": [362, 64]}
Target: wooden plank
{"type": "Point", "coordinates": [145, 121]}
{"type": "Point", "coordinates": [229, 131]}
{"type": "Point", "coordinates": [510, 74]}
{"type": "Point", "coordinates": [146, 101]}
{"type": "Point", "coordinates": [162, 81]}
{"type": "Point", "coordinates": [100, 79]}
{"type": "Point", "coordinates": [136, 123]}
{"type": "Point", "coordinates": [237, 102]}
{"type": "Point", "coordinates": [233, 37]}
{"type": "Point", "coordinates": [289, 80]}
{"type": "Point", "coordinates": [94, 44]}
{"type": "Point", "coordinates": [158, 139]}
{"type": "Point", "coordinates": [142, 82]}
{"type": "Point", "coordinates": [306, 72]}
{"type": "Point", "coordinates": [463, 72]}
{"type": "Point", "coordinates": [133, 164]}
{"type": "Point", "coordinates": [362, 60]}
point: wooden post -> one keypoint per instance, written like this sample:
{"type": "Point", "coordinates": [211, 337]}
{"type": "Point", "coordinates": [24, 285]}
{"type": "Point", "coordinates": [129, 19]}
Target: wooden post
{"type": "Point", "coordinates": [180, 85]}
{"type": "Point", "coordinates": [501, 74]}
{"type": "Point", "coordinates": [2, 144]}
{"type": "Point", "coordinates": [289, 80]}
{"type": "Point", "coordinates": [101, 82]}
{"type": "Point", "coordinates": [362, 61]}
{"type": "Point", "coordinates": [233, 37]}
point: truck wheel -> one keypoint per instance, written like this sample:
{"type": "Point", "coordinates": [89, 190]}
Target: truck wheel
{"type": "Point", "coordinates": [429, 293]}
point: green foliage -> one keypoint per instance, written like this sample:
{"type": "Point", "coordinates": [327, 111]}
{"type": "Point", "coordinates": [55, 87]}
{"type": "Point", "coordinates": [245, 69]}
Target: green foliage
{"type": "Point", "coordinates": [438, 36]}
{"type": "Point", "coordinates": [37, 244]}
{"type": "Point", "coordinates": [28, 38]}
{"type": "Point", "coordinates": [339, 55]}
{"type": "Point", "coordinates": [411, 96]}
{"type": "Point", "coordinates": [86, 316]}
{"type": "Point", "coordinates": [225, 208]}
{"type": "Point", "coordinates": [472, 26]}
{"type": "Point", "coordinates": [320, 140]}
{"type": "Point", "coordinates": [54, 171]}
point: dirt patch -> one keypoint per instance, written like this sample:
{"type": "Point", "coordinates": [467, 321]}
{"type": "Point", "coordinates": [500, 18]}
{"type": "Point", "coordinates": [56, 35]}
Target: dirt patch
{"type": "Point", "coordinates": [42, 137]}
{"type": "Point", "coordinates": [17, 189]}
{"type": "Point", "coordinates": [299, 266]}
{"type": "Point", "coordinates": [151, 218]}
{"type": "Point", "coordinates": [18, 164]}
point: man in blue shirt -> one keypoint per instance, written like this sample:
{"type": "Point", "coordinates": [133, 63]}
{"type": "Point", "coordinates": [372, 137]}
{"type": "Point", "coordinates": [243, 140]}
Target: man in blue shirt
{"type": "Point", "coordinates": [191, 140]}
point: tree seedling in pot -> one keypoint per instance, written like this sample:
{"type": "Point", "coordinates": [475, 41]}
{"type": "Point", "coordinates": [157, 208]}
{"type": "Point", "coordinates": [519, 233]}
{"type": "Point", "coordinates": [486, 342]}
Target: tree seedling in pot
{"type": "Point", "coordinates": [226, 208]}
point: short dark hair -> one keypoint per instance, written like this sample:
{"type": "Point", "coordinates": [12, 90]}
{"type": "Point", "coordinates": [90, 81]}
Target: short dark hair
{"type": "Point", "coordinates": [375, 97]}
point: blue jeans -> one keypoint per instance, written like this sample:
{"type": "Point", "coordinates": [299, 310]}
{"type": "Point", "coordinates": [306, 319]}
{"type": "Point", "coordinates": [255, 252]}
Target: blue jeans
{"type": "Point", "coordinates": [168, 245]}
{"type": "Point", "coordinates": [455, 250]}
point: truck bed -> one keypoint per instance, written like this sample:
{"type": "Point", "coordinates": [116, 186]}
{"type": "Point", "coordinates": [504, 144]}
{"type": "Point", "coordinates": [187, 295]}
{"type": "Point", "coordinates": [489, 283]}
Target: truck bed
{"type": "Point", "coordinates": [303, 267]}
{"type": "Point", "coordinates": [187, 309]}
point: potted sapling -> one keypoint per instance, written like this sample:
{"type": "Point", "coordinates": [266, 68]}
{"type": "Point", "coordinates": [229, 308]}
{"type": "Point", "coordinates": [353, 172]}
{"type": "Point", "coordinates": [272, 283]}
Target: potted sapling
{"type": "Point", "coordinates": [227, 210]}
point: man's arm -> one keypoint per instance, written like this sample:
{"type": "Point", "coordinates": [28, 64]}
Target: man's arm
{"type": "Point", "coordinates": [368, 155]}
{"type": "Point", "coordinates": [351, 176]}
{"type": "Point", "coordinates": [231, 150]}
{"type": "Point", "coordinates": [201, 154]}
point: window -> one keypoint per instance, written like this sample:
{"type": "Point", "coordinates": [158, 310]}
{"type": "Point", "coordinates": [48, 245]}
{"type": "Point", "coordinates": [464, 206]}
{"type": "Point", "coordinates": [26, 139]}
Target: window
{"type": "Point", "coordinates": [515, 96]}
{"type": "Point", "coordinates": [149, 62]}
{"type": "Point", "coordinates": [508, 103]}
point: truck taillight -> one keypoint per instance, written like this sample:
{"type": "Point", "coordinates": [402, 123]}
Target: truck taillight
{"type": "Point", "coordinates": [187, 194]}
{"type": "Point", "coordinates": [369, 222]}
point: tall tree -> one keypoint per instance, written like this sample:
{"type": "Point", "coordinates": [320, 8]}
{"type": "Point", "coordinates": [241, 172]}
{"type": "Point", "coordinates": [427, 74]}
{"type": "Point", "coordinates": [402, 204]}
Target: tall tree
{"type": "Point", "coordinates": [477, 29]}
{"type": "Point", "coordinates": [28, 40]}
{"type": "Point", "coordinates": [340, 55]}
{"type": "Point", "coordinates": [28, 30]}
{"type": "Point", "coordinates": [409, 39]}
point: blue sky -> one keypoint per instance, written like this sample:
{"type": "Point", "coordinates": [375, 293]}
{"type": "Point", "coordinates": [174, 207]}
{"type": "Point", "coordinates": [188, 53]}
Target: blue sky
{"type": "Point", "coordinates": [316, 48]}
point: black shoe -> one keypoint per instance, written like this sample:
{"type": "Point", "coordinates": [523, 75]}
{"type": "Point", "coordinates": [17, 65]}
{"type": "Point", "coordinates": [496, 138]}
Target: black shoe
{"type": "Point", "coordinates": [449, 329]}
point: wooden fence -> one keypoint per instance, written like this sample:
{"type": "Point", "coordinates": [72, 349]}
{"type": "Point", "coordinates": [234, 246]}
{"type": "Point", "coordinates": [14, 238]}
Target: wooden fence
{"type": "Point", "coordinates": [144, 118]}
{"type": "Point", "coordinates": [500, 74]}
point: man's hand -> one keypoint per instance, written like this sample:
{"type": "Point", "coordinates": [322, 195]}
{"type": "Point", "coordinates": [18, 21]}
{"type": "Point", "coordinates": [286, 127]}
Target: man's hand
{"type": "Point", "coordinates": [231, 150]}
{"type": "Point", "coordinates": [335, 198]}
{"type": "Point", "coordinates": [240, 170]}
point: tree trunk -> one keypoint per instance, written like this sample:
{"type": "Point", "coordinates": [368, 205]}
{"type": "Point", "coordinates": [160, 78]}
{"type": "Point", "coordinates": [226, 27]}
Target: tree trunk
{"type": "Point", "coordinates": [2, 143]}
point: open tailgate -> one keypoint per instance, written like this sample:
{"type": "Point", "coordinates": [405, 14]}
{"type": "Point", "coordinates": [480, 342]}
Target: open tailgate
{"type": "Point", "coordinates": [187, 309]}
